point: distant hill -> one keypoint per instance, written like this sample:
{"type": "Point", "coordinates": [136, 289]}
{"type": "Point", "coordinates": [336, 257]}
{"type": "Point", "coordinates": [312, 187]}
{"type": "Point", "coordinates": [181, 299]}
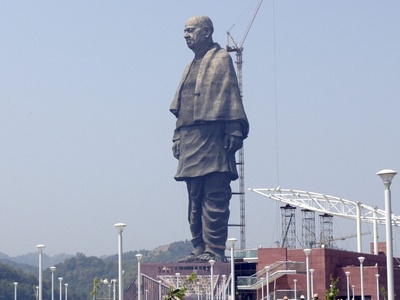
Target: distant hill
{"type": "Point", "coordinates": [32, 259]}
{"type": "Point", "coordinates": [78, 271]}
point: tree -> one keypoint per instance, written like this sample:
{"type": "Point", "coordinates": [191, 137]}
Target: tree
{"type": "Point", "coordinates": [331, 293]}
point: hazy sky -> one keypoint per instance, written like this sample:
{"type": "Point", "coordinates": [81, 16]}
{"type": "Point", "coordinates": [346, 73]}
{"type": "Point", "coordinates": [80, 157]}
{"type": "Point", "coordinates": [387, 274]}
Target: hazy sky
{"type": "Point", "coordinates": [85, 127]}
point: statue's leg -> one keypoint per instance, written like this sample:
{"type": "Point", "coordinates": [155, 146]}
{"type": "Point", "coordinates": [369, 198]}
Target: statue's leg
{"type": "Point", "coordinates": [195, 192]}
{"type": "Point", "coordinates": [217, 193]}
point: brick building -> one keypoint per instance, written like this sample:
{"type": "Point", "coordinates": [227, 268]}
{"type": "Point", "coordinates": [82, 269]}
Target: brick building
{"type": "Point", "coordinates": [286, 275]}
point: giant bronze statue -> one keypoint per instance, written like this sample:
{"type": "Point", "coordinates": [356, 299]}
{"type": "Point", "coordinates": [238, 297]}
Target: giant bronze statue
{"type": "Point", "coordinates": [210, 127]}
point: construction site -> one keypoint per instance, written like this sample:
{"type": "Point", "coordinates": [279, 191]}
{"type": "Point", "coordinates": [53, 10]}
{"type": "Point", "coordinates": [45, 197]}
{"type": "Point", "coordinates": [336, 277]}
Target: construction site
{"type": "Point", "coordinates": [304, 268]}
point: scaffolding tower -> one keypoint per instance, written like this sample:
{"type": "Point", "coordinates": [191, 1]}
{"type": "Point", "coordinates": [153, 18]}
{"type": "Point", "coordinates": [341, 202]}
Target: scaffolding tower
{"type": "Point", "coordinates": [288, 216]}
{"type": "Point", "coordinates": [308, 239]}
{"type": "Point", "coordinates": [326, 230]}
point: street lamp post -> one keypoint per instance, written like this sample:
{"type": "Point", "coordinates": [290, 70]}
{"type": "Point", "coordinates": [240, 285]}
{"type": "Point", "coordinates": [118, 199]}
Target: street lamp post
{"type": "Point", "coordinates": [295, 288]}
{"type": "Point", "coordinates": [114, 281]}
{"type": "Point", "coordinates": [347, 284]}
{"type": "Point", "coordinates": [40, 249]}
{"type": "Point", "coordinates": [212, 262]}
{"type": "Point", "coordinates": [66, 291]}
{"type": "Point", "coordinates": [232, 241]}
{"type": "Point", "coordinates": [307, 252]}
{"type": "Point", "coordinates": [361, 259]}
{"type": "Point", "coordinates": [15, 290]}
{"type": "Point", "coordinates": [198, 290]}
{"type": "Point", "coordinates": [262, 287]}
{"type": "Point", "coordinates": [177, 279]}
{"type": "Point", "coordinates": [53, 269]}
{"type": "Point", "coordinates": [377, 286]}
{"type": "Point", "coordinates": [312, 281]}
{"type": "Point", "coordinates": [60, 279]}
{"type": "Point", "coordinates": [267, 280]}
{"type": "Point", "coordinates": [387, 177]}
{"type": "Point", "coordinates": [159, 289]}
{"type": "Point", "coordinates": [139, 259]}
{"type": "Point", "coordinates": [352, 291]}
{"type": "Point", "coordinates": [120, 228]}
{"type": "Point", "coordinates": [224, 287]}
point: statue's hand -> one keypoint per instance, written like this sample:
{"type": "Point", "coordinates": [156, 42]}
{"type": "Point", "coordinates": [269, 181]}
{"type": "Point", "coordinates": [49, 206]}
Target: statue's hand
{"type": "Point", "coordinates": [176, 149]}
{"type": "Point", "coordinates": [232, 143]}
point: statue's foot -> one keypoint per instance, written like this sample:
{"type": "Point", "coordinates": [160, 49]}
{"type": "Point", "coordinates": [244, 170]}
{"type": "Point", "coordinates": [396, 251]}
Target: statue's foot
{"type": "Point", "coordinates": [195, 253]}
{"type": "Point", "coordinates": [207, 256]}
{"type": "Point", "coordinates": [190, 258]}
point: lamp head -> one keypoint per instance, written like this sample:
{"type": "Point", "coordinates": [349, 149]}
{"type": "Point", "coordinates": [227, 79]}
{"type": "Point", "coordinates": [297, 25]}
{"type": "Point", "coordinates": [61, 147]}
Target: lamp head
{"type": "Point", "coordinates": [139, 256]}
{"type": "Point", "coordinates": [120, 227]}
{"type": "Point", "coordinates": [232, 241]}
{"type": "Point", "coordinates": [40, 247]}
{"type": "Point", "coordinates": [361, 259]}
{"type": "Point", "coordinates": [52, 268]}
{"type": "Point", "coordinates": [307, 251]}
{"type": "Point", "coordinates": [386, 175]}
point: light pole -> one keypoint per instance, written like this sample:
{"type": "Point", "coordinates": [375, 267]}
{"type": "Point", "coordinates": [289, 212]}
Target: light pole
{"type": "Point", "coordinates": [224, 287]}
{"type": "Point", "coordinates": [377, 286]}
{"type": "Point", "coordinates": [262, 287]}
{"type": "Point", "coordinates": [177, 279]}
{"type": "Point", "coordinates": [387, 176]}
{"type": "Point", "coordinates": [159, 289]}
{"type": "Point", "coordinates": [267, 280]}
{"type": "Point", "coordinates": [114, 281]}
{"type": "Point", "coordinates": [198, 290]}
{"type": "Point", "coordinates": [361, 259]}
{"type": "Point", "coordinates": [295, 288]}
{"type": "Point", "coordinates": [232, 241]}
{"type": "Point", "coordinates": [60, 279]}
{"type": "Point", "coordinates": [312, 281]}
{"type": "Point", "coordinates": [352, 291]}
{"type": "Point", "coordinates": [120, 228]}
{"type": "Point", "coordinates": [52, 269]}
{"type": "Point", "coordinates": [15, 290]}
{"type": "Point", "coordinates": [139, 259]}
{"type": "Point", "coordinates": [40, 248]}
{"type": "Point", "coordinates": [66, 291]}
{"type": "Point", "coordinates": [307, 252]}
{"type": "Point", "coordinates": [347, 284]}
{"type": "Point", "coordinates": [147, 293]}
{"type": "Point", "coordinates": [212, 262]}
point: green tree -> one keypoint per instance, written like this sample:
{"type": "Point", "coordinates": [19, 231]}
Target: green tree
{"type": "Point", "coordinates": [333, 291]}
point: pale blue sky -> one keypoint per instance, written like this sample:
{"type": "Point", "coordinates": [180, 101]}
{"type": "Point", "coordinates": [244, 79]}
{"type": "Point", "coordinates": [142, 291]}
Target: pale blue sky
{"type": "Point", "coordinates": [85, 131]}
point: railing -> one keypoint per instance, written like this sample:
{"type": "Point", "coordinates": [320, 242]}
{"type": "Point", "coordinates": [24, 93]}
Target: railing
{"type": "Point", "coordinates": [275, 271]}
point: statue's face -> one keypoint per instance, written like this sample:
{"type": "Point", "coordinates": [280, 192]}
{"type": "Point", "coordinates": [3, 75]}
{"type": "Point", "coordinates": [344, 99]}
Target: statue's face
{"type": "Point", "coordinates": [195, 35]}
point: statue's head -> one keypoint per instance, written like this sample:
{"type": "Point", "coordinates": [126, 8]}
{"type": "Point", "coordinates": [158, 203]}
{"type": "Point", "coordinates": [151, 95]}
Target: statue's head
{"type": "Point", "coordinates": [198, 33]}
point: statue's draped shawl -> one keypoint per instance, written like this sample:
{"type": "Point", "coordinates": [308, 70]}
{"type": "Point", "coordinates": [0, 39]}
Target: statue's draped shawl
{"type": "Point", "coordinates": [217, 95]}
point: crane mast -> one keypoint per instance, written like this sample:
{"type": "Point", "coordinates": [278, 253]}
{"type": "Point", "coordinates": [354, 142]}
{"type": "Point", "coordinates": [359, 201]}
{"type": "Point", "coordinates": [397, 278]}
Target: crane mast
{"type": "Point", "coordinates": [240, 162]}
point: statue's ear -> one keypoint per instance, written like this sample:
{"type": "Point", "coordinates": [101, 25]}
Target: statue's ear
{"type": "Point", "coordinates": [208, 32]}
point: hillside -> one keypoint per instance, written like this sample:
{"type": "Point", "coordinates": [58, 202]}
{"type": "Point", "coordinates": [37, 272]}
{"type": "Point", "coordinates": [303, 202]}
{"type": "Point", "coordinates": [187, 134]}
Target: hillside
{"type": "Point", "coordinates": [79, 272]}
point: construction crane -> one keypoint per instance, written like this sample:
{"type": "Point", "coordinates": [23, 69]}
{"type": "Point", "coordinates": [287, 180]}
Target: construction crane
{"type": "Point", "coordinates": [238, 48]}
